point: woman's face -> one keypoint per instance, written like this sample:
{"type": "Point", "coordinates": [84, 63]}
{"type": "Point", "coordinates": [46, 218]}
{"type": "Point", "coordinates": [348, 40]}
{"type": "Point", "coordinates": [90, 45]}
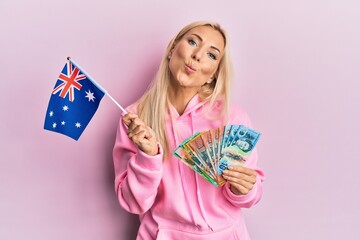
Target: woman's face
{"type": "Point", "coordinates": [195, 58]}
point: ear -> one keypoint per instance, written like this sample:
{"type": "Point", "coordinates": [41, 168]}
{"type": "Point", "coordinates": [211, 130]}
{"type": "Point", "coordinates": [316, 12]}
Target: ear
{"type": "Point", "coordinates": [172, 49]}
{"type": "Point", "coordinates": [211, 79]}
{"type": "Point", "coordinates": [170, 53]}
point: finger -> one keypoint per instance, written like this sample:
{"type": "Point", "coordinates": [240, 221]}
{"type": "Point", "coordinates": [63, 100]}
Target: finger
{"type": "Point", "coordinates": [151, 133]}
{"type": "Point", "coordinates": [243, 190]}
{"type": "Point", "coordinates": [245, 170]}
{"type": "Point", "coordinates": [136, 130]}
{"type": "Point", "coordinates": [135, 122]}
{"type": "Point", "coordinates": [147, 146]}
{"type": "Point", "coordinates": [239, 181]}
{"type": "Point", "coordinates": [238, 175]}
{"type": "Point", "coordinates": [245, 185]}
{"type": "Point", "coordinates": [139, 138]}
{"type": "Point", "coordinates": [127, 118]}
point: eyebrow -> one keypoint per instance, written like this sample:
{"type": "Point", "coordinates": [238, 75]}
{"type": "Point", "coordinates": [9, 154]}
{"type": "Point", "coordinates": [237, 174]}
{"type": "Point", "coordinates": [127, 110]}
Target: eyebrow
{"type": "Point", "coordinates": [215, 48]}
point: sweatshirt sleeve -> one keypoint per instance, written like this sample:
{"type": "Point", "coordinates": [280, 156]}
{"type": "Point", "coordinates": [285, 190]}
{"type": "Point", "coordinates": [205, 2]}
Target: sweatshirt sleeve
{"type": "Point", "coordinates": [137, 175]}
{"type": "Point", "coordinates": [254, 195]}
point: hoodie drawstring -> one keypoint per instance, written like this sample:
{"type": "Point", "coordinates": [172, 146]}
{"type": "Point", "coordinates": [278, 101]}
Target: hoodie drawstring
{"type": "Point", "coordinates": [198, 193]}
{"type": "Point", "coordinates": [183, 180]}
{"type": "Point", "coordinates": [180, 167]}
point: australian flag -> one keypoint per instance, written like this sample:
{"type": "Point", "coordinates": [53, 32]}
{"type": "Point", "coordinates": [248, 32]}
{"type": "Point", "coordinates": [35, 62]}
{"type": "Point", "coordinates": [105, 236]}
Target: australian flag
{"type": "Point", "coordinates": [73, 102]}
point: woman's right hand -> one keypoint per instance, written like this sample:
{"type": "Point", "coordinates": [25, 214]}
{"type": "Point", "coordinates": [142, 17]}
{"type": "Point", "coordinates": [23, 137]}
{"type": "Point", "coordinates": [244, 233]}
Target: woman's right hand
{"type": "Point", "coordinates": [141, 134]}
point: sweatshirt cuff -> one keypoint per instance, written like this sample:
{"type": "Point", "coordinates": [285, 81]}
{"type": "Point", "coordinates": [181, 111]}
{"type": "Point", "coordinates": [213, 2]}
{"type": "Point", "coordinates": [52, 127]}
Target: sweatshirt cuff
{"type": "Point", "coordinates": [150, 162]}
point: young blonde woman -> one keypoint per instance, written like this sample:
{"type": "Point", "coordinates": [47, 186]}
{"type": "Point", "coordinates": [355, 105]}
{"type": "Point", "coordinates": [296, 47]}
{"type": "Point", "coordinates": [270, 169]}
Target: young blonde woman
{"type": "Point", "coordinates": [189, 94]}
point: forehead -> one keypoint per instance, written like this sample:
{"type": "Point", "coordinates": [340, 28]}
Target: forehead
{"type": "Point", "coordinates": [209, 36]}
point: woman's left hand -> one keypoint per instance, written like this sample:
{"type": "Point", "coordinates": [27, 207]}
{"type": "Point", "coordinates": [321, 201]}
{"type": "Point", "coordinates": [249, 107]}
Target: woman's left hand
{"type": "Point", "coordinates": [241, 179]}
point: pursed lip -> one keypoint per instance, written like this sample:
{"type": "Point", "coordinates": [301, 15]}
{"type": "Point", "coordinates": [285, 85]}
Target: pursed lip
{"type": "Point", "coordinates": [189, 68]}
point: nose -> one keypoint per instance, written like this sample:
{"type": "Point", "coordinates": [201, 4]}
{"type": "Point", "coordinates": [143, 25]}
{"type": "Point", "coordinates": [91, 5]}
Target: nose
{"type": "Point", "coordinates": [196, 55]}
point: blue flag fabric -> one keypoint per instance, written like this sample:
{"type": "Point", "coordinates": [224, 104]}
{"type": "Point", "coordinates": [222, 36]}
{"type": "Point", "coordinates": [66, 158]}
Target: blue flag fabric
{"type": "Point", "coordinates": [73, 102]}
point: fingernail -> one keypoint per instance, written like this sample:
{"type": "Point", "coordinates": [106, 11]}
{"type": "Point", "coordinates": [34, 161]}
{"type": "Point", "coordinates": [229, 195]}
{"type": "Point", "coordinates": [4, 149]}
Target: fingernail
{"type": "Point", "coordinates": [231, 167]}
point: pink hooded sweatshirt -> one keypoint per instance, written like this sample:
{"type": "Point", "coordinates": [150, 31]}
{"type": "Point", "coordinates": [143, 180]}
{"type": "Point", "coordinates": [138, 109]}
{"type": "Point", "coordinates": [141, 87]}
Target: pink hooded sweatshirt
{"type": "Point", "coordinates": [173, 201]}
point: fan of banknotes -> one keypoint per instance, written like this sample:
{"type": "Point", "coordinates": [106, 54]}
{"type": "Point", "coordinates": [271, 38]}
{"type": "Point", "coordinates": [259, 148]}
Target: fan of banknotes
{"type": "Point", "coordinates": [210, 152]}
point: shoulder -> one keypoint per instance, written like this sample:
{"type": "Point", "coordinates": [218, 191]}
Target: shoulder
{"type": "Point", "coordinates": [236, 109]}
{"type": "Point", "coordinates": [238, 115]}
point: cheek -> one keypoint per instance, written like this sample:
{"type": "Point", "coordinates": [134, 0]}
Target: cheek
{"type": "Point", "coordinates": [177, 58]}
{"type": "Point", "coordinates": [209, 69]}
{"type": "Point", "coordinates": [174, 64]}
{"type": "Point", "coordinates": [181, 50]}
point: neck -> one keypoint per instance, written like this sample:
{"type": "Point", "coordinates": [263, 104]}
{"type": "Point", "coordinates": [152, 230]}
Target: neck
{"type": "Point", "coordinates": [180, 97]}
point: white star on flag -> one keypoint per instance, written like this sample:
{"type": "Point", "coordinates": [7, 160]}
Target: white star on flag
{"type": "Point", "coordinates": [90, 96]}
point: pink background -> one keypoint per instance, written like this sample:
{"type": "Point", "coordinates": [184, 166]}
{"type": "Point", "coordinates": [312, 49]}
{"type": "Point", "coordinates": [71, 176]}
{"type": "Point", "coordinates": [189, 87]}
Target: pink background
{"type": "Point", "coordinates": [297, 68]}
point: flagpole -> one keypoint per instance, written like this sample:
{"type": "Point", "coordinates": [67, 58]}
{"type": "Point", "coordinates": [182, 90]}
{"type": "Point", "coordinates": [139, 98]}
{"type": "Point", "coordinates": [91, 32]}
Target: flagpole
{"type": "Point", "coordinates": [97, 85]}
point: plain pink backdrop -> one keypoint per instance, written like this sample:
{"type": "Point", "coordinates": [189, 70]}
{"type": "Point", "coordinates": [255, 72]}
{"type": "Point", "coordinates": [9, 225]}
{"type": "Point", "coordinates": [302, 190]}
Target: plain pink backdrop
{"type": "Point", "coordinates": [297, 69]}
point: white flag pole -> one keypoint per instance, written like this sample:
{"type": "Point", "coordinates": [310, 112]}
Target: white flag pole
{"type": "Point", "coordinates": [96, 84]}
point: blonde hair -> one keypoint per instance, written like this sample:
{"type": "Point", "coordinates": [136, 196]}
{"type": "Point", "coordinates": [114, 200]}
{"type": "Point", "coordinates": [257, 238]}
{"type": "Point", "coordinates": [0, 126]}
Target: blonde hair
{"type": "Point", "coordinates": [153, 105]}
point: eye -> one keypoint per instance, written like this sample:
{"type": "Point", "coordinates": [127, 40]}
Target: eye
{"type": "Point", "coordinates": [212, 56]}
{"type": "Point", "coordinates": [192, 42]}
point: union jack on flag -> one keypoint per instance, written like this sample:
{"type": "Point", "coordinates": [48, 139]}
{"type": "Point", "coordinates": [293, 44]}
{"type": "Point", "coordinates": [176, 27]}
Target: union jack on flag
{"type": "Point", "coordinates": [70, 79]}
{"type": "Point", "coordinates": [70, 115]}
